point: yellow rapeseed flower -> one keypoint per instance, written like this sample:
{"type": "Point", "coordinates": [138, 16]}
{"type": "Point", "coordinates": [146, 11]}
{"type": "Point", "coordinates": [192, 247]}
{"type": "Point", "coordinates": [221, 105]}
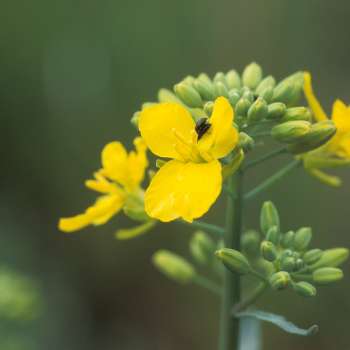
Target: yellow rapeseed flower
{"type": "Point", "coordinates": [187, 185]}
{"type": "Point", "coordinates": [118, 181]}
{"type": "Point", "coordinates": [336, 152]}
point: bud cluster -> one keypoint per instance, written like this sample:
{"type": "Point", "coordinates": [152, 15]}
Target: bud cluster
{"type": "Point", "coordinates": [284, 257]}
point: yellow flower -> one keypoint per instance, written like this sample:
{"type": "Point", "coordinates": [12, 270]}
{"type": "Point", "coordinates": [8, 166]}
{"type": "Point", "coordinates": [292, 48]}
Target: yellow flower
{"type": "Point", "coordinates": [118, 182]}
{"type": "Point", "coordinates": [187, 185]}
{"type": "Point", "coordinates": [336, 152]}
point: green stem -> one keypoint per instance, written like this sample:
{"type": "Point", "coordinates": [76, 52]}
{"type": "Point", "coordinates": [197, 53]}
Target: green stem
{"type": "Point", "coordinates": [272, 179]}
{"type": "Point", "coordinates": [250, 299]}
{"type": "Point", "coordinates": [207, 284]}
{"type": "Point", "coordinates": [267, 156]}
{"type": "Point", "coordinates": [229, 326]}
{"type": "Point", "coordinates": [210, 228]}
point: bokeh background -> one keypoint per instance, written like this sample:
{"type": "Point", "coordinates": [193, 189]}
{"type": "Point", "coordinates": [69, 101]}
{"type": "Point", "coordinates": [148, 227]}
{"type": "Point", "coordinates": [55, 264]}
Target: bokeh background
{"type": "Point", "coordinates": [71, 75]}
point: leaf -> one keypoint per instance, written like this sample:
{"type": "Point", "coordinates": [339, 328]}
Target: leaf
{"type": "Point", "coordinates": [279, 321]}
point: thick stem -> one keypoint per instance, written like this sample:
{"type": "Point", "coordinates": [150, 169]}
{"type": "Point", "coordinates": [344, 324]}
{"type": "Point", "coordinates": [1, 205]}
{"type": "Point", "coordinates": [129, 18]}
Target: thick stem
{"type": "Point", "coordinates": [229, 326]}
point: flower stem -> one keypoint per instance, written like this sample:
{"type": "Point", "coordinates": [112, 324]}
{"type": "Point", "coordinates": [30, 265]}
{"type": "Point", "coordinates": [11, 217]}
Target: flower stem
{"type": "Point", "coordinates": [229, 326]}
{"type": "Point", "coordinates": [272, 179]}
{"type": "Point", "coordinates": [267, 156]}
{"type": "Point", "coordinates": [250, 299]}
{"type": "Point", "coordinates": [207, 284]}
{"type": "Point", "coordinates": [210, 228]}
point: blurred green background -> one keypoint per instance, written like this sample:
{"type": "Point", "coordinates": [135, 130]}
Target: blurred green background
{"type": "Point", "coordinates": [72, 74]}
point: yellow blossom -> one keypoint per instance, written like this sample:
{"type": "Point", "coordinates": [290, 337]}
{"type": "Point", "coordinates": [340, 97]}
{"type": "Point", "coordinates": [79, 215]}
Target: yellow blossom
{"type": "Point", "coordinates": [118, 182]}
{"type": "Point", "coordinates": [336, 152]}
{"type": "Point", "coordinates": [187, 185]}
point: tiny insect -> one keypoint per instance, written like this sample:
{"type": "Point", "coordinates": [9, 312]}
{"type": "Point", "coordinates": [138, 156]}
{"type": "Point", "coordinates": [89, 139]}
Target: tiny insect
{"type": "Point", "coordinates": [202, 126]}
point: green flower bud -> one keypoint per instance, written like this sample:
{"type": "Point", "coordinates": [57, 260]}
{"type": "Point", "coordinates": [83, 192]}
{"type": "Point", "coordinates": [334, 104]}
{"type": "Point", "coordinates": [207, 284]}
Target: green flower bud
{"type": "Point", "coordinates": [311, 256]}
{"type": "Point", "coordinates": [297, 113]}
{"type": "Point", "coordinates": [188, 95]}
{"type": "Point", "coordinates": [242, 106]}
{"type": "Point", "coordinates": [302, 238]}
{"type": "Point", "coordinates": [165, 95]}
{"type": "Point", "coordinates": [135, 119]}
{"type": "Point", "coordinates": [233, 80]}
{"type": "Point", "coordinates": [289, 90]}
{"type": "Point", "coordinates": [288, 239]}
{"type": "Point", "coordinates": [269, 217]}
{"type": "Point", "coordinates": [205, 78]}
{"type": "Point", "coordinates": [220, 77]}
{"type": "Point", "coordinates": [279, 280]}
{"type": "Point", "coordinates": [248, 94]}
{"type": "Point", "coordinates": [233, 260]}
{"type": "Point", "coordinates": [288, 264]}
{"type": "Point", "coordinates": [326, 275]}
{"type": "Point", "coordinates": [275, 110]}
{"type": "Point", "coordinates": [287, 254]}
{"type": "Point", "coordinates": [268, 251]}
{"type": "Point", "coordinates": [202, 247]}
{"type": "Point", "coordinates": [250, 242]}
{"type": "Point", "coordinates": [273, 235]}
{"type": "Point", "coordinates": [267, 83]}
{"type": "Point", "coordinates": [291, 132]}
{"type": "Point", "coordinates": [331, 258]}
{"type": "Point", "coordinates": [246, 142]}
{"type": "Point", "coordinates": [318, 135]}
{"type": "Point", "coordinates": [299, 264]}
{"type": "Point", "coordinates": [267, 94]}
{"type": "Point", "coordinates": [134, 207]}
{"type": "Point", "coordinates": [252, 75]}
{"type": "Point", "coordinates": [205, 89]}
{"type": "Point", "coordinates": [208, 108]}
{"type": "Point", "coordinates": [305, 289]}
{"type": "Point", "coordinates": [220, 89]}
{"type": "Point", "coordinates": [189, 80]}
{"type": "Point", "coordinates": [234, 96]}
{"type": "Point", "coordinates": [258, 110]}
{"type": "Point", "coordinates": [174, 266]}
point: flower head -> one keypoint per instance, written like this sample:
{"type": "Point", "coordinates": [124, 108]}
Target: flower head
{"type": "Point", "coordinates": [188, 184]}
{"type": "Point", "coordinates": [118, 182]}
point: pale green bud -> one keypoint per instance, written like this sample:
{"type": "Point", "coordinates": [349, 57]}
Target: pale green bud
{"type": "Point", "coordinates": [299, 264]}
{"type": "Point", "coordinates": [135, 119]}
{"type": "Point", "coordinates": [305, 289]}
{"type": "Point", "coordinates": [267, 94]}
{"type": "Point", "coordinates": [287, 254]}
{"type": "Point", "coordinates": [326, 275]}
{"type": "Point", "coordinates": [204, 77]}
{"type": "Point", "coordinates": [273, 235]}
{"type": "Point", "coordinates": [208, 108]}
{"type": "Point", "coordinates": [288, 239]}
{"type": "Point", "coordinates": [311, 256]}
{"type": "Point", "coordinates": [134, 207]}
{"type": "Point", "coordinates": [246, 142]}
{"type": "Point", "coordinates": [268, 251]}
{"type": "Point", "coordinates": [202, 247]}
{"type": "Point", "coordinates": [269, 217]}
{"type": "Point", "coordinates": [250, 242]}
{"type": "Point", "coordinates": [242, 106]}
{"type": "Point", "coordinates": [288, 264]}
{"type": "Point", "coordinates": [267, 82]}
{"type": "Point", "coordinates": [220, 77]}
{"type": "Point", "coordinates": [258, 110]}
{"type": "Point", "coordinates": [248, 94]}
{"type": "Point", "coordinates": [220, 89]}
{"type": "Point", "coordinates": [318, 135]}
{"type": "Point", "coordinates": [174, 266]}
{"type": "Point", "coordinates": [296, 113]}
{"type": "Point", "coordinates": [275, 110]}
{"type": "Point", "coordinates": [291, 132]}
{"type": "Point", "coordinates": [331, 258]}
{"type": "Point", "coordinates": [188, 95]}
{"type": "Point", "coordinates": [279, 280]}
{"type": "Point", "coordinates": [233, 260]}
{"type": "Point", "coordinates": [205, 89]}
{"type": "Point", "coordinates": [289, 89]}
{"type": "Point", "coordinates": [234, 96]}
{"type": "Point", "coordinates": [302, 238]}
{"type": "Point", "coordinates": [252, 75]}
{"type": "Point", "coordinates": [165, 95]}
{"type": "Point", "coordinates": [233, 80]}
{"type": "Point", "coordinates": [189, 80]}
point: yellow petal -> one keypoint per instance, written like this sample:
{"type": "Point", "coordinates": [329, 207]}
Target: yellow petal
{"type": "Point", "coordinates": [74, 223]}
{"type": "Point", "coordinates": [222, 137]}
{"type": "Point", "coordinates": [183, 190]}
{"type": "Point", "coordinates": [137, 163]}
{"type": "Point", "coordinates": [114, 162]}
{"type": "Point", "coordinates": [341, 116]}
{"type": "Point", "coordinates": [312, 100]}
{"type": "Point", "coordinates": [163, 125]}
{"type": "Point", "coordinates": [102, 185]}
